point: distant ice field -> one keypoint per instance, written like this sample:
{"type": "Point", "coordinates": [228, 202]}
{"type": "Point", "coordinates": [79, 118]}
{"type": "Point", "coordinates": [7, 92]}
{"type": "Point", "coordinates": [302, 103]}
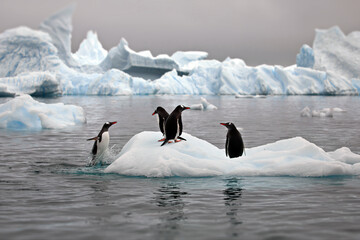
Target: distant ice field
{"type": "Point", "coordinates": [39, 62]}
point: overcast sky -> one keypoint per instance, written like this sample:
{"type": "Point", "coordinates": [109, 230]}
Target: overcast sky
{"type": "Point", "coordinates": [257, 31]}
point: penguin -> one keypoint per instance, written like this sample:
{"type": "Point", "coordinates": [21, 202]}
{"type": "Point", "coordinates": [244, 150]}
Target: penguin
{"type": "Point", "coordinates": [173, 125]}
{"type": "Point", "coordinates": [234, 146]}
{"type": "Point", "coordinates": [162, 116]}
{"type": "Point", "coordinates": [101, 142]}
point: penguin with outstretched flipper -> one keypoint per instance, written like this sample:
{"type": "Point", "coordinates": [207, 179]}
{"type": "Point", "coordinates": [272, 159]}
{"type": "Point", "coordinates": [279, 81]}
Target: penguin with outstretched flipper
{"type": "Point", "coordinates": [101, 142]}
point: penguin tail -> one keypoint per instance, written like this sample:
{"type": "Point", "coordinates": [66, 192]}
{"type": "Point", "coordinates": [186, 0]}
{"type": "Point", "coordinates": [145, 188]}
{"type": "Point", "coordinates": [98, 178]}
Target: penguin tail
{"type": "Point", "coordinates": [94, 138]}
{"type": "Point", "coordinates": [181, 138]}
{"type": "Point", "coordinates": [165, 142]}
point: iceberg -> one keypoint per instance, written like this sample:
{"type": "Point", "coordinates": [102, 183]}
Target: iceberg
{"type": "Point", "coordinates": [24, 112]}
{"type": "Point", "coordinates": [143, 156]}
{"type": "Point", "coordinates": [43, 58]}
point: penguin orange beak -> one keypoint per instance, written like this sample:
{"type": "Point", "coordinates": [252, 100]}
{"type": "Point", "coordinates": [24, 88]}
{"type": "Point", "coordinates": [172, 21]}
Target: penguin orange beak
{"type": "Point", "coordinates": [112, 123]}
{"type": "Point", "coordinates": [187, 108]}
{"type": "Point", "coordinates": [154, 113]}
{"type": "Point", "coordinates": [224, 124]}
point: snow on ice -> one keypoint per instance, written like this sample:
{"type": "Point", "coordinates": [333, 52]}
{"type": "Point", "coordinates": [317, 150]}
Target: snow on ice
{"type": "Point", "coordinates": [143, 156]}
{"type": "Point", "coordinates": [43, 57]}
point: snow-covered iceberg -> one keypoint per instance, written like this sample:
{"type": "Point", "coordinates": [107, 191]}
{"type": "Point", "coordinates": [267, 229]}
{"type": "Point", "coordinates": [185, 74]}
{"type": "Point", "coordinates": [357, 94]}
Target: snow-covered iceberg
{"type": "Point", "coordinates": [24, 112]}
{"type": "Point", "coordinates": [143, 156]}
{"type": "Point", "coordinates": [329, 67]}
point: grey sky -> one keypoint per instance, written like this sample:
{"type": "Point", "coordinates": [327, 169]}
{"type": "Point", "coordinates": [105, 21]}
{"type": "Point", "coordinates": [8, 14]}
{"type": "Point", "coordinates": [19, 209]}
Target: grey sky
{"type": "Point", "coordinates": [257, 31]}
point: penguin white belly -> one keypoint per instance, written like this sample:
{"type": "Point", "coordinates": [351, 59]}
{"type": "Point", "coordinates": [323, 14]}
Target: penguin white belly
{"type": "Point", "coordinates": [177, 129]}
{"type": "Point", "coordinates": [104, 144]}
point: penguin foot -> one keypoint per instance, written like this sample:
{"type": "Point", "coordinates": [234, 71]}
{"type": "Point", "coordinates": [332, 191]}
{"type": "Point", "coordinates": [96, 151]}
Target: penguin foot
{"type": "Point", "coordinates": [161, 140]}
{"type": "Point", "coordinates": [177, 140]}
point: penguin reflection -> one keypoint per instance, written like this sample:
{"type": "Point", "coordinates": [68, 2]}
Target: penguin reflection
{"type": "Point", "coordinates": [232, 196]}
{"type": "Point", "coordinates": [170, 197]}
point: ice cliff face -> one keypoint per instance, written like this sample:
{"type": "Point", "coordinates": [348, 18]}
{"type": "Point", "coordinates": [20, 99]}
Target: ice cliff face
{"type": "Point", "coordinates": [39, 62]}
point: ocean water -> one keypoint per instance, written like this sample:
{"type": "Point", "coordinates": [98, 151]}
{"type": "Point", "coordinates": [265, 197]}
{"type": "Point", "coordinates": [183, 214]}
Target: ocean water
{"type": "Point", "coordinates": [48, 192]}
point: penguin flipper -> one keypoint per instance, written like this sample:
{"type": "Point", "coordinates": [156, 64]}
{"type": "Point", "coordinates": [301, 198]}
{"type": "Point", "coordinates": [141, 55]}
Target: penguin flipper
{"type": "Point", "coordinates": [181, 138]}
{"type": "Point", "coordinates": [94, 138]}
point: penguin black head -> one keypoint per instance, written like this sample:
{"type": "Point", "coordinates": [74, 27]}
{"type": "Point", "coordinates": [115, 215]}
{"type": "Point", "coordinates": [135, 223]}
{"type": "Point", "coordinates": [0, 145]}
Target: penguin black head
{"type": "Point", "coordinates": [107, 125]}
{"type": "Point", "coordinates": [181, 108]}
{"type": "Point", "coordinates": [229, 125]}
{"type": "Point", "coordinates": [161, 111]}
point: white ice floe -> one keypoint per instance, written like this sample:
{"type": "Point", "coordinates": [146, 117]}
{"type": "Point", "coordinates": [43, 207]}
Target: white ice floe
{"type": "Point", "coordinates": [325, 112]}
{"type": "Point", "coordinates": [203, 105]}
{"type": "Point", "coordinates": [24, 112]}
{"type": "Point", "coordinates": [143, 156]}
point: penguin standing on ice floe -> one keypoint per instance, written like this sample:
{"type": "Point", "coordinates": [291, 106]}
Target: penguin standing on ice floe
{"type": "Point", "coordinates": [162, 116]}
{"type": "Point", "coordinates": [234, 146]}
{"type": "Point", "coordinates": [173, 125]}
{"type": "Point", "coordinates": [101, 142]}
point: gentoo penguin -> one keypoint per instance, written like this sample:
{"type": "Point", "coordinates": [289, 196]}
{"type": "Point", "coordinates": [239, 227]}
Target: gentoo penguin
{"type": "Point", "coordinates": [234, 146]}
{"type": "Point", "coordinates": [101, 142]}
{"type": "Point", "coordinates": [173, 125]}
{"type": "Point", "coordinates": [162, 116]}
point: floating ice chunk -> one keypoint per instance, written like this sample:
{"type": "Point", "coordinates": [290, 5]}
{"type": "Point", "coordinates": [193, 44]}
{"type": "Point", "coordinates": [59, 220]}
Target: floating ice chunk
{"type": "Point", "coordinates": [143, 156]}
{"type": "Point", "coordinates": [325, 112]}
{"type": "Point", "coordinates": [306, 57]}
{"type": "Point", "coordinates": [306, 112]}
{"type": "Point", "coordinates": [197, 106]}
{"type": "Point", "coordinates": [91, 51]}
{"type": "Point", "coordinates": [24, 112]}
{"type": "Point", "coordinates": [204, 105]}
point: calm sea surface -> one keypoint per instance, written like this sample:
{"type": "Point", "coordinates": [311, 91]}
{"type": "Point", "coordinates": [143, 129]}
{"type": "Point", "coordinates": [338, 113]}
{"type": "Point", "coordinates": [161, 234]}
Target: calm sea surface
{"type": "Point", "coordinates": [47, 192]}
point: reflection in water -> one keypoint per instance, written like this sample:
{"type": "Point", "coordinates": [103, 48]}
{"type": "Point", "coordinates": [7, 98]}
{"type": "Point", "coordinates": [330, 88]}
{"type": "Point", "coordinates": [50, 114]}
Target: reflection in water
{"type": "Point", "coordinates": [169, 197]}
{"type": "Point", "coordinates": [232, 196]}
